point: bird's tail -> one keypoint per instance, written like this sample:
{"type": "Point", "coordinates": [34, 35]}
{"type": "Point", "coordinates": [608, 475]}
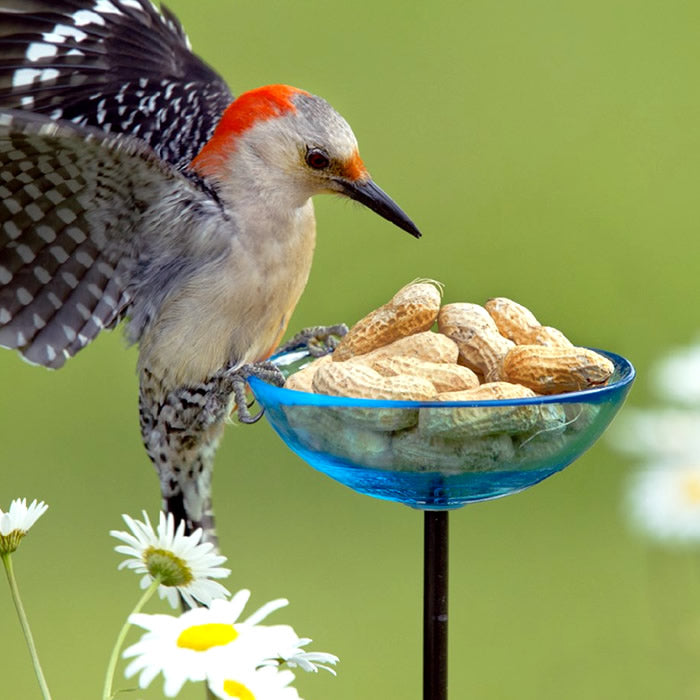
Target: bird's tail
{"type": "Point", "coordinates": [190, 499]}
{"type": "Point", "coordinates": [181, 430]}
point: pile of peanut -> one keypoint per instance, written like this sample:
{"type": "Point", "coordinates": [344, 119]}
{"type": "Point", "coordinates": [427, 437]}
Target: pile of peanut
{"type": "Point", "coordinates": [495, 351]}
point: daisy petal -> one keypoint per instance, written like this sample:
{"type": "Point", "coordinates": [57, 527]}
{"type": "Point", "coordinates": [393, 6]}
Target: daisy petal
{"type": "Point", "coordinates": [184, 564]}
{"type": "Point", "coordinates": [211, 643]}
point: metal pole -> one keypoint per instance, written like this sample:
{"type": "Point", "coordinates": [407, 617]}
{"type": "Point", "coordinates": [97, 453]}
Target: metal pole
{"type": "Point", "coordinates": [435, 556]}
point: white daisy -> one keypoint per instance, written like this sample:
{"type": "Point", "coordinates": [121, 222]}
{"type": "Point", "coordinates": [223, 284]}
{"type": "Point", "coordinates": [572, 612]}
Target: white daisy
{"type": "Point", "coordinates": [664, 501]}
{"type": "Point", "coordinates": [294, 656]}
{"type": "Point", "coordinates": [243, 683]}
{"type": "Point", "coordinates": [183, 562]}
{"type": "Point", "coordinates": [666, 433]}
{"type": "Point", "coordinates": [15, 523]}
{"type": "Point", "coordinates": [677, 376]}
{"type": "Point", "coordinates": [202, 641]}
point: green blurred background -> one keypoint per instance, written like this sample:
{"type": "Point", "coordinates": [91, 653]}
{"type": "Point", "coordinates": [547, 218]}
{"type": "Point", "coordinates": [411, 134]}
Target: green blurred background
{"type": "Point", "coordinates": [549, 152]}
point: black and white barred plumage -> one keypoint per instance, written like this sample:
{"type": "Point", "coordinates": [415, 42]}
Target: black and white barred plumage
{"type": "Point", "coordinates": [102, 106]}
{"type": "Point", "coordinates": [118, 65]}
{"type": "Point", "coordinates": [80, 211]}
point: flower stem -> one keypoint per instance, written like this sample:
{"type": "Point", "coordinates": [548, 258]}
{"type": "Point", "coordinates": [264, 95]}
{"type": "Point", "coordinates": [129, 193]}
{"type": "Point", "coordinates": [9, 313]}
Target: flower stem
{"type": "Point", "coordinates": [107, 692]}
{"type": "Point", "coordinates": [24, 622]}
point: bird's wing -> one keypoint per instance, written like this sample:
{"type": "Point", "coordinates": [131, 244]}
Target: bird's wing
{"type": "Point", "coordinates": [117, 65]}
{"type": "Point", "coordinates": [85, 218]}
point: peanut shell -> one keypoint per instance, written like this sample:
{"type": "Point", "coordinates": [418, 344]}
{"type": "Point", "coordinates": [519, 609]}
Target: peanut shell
{"type": "Point", "coordinates": [481, 346]}
{"type": "Point", "coordinates": [361, 381]}
{"type": "Point", "coordinates": [383, 420]}
{"type": "Point", "coordinates": [412, 309]}
{"type": "Point", "coordinates": [547, 335]}
{"type": "Point", "coordinates": [517, 323]}
{"type": "Point", "coordinates": [476, 421]}
{"type": "Point", "coordinates": [302, 380]}
{"type": "Point", "coordinates": [514, 321]}
{"type": "Point", "coordinates": [319, 428]}
{"type": "Point", "coordinates": [426, 346]}
{"type": "Point", "coordinates": [415, 451]}
{"type": "Point", "coordinates": [444, 377]}
{"type": "Point", "coordinates": [532, 450]}
{"type": "Point", "coordinates": [556, 370]}
{"type": "Point", "coordinates": [579, 416]}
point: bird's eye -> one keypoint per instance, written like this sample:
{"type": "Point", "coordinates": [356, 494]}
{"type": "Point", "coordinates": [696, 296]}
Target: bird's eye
{"type": "Point", "coordinates": [317, 159]}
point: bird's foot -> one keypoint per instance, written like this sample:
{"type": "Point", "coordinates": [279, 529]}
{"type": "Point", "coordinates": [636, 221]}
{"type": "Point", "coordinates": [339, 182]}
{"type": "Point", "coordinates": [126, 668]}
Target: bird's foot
{"type": "Point", "coordinates": [267, 371]}
{"type": "Point", "coordinates": [317, 340]}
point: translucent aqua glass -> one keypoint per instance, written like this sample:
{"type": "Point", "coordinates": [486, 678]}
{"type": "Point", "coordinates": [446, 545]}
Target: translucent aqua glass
{"type": "Point", "coordinates": [439, 455]}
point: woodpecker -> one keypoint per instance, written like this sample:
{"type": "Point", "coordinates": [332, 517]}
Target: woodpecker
{"type": "Point", "coordinates": [134, 187]}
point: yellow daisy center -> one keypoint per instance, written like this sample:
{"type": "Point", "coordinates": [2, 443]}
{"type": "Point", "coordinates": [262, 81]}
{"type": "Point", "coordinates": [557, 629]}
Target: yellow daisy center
{"type": "Point", "coordinates": [204, 637]}
{"type": "Point", "coordinates": [172, 570]}
{"type": "Point", "coordinates": [691, 488]}
{"type": "Point", "coordinates": [237, 690]}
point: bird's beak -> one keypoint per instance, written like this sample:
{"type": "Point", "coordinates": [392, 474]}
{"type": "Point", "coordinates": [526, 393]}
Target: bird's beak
{"type": "Point", "coordinates": [368, 193]}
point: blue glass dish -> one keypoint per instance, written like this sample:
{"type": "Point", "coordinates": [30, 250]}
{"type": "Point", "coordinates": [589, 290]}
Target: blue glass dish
{"type": "Point", "coordinates": [439, 455]}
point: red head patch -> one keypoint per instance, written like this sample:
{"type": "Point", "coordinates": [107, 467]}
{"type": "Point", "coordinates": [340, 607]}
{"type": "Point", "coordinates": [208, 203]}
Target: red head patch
{"type": "Point", "coordinates": [355, 168]}
{"type": "Point", "coordinates": [261, 104]}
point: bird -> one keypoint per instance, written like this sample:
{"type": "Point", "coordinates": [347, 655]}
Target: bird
{"type": "Point", "coordinates": [135, 187]}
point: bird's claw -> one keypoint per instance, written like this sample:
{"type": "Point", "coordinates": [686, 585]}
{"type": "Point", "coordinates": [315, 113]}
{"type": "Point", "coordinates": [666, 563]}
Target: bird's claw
{"type": "Point", "coordinates": [267, 371]}
{"type": "Point", "coordinates": [317, 340]}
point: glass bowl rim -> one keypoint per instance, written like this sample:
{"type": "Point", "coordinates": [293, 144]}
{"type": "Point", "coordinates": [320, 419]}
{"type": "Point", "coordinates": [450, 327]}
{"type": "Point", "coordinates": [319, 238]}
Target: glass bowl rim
{"type": "Point", "coordinates": [292, 397]}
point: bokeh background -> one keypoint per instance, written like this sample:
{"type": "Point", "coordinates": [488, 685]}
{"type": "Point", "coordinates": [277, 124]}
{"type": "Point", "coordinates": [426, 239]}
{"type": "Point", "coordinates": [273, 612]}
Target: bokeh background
{"type": "Point", "coordinates": [549, 152]}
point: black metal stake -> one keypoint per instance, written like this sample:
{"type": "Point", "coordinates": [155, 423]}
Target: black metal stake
{"type": "Point", "coordinates": [435, 556]}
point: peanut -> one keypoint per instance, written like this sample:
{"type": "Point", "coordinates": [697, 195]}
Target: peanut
{"type": "Point", "coordinates": [579, 416]}
{"type": "Point", "coordinates": [491, 391]}
{"type": "Point", "coordinates": [547, 335]}
{"type": "Point", "coordinates": [551, 419]}
{"type": "Point", "coordinates": [416, 452]}
{"type": "Point", "coordinates": [546, 437]}
{"type": "Point", "coordinates": [444, 377]}
{"type": "Point", "coordinates": [320, 429]}
{"type": "Point", "coordinates": [489, 453]}
{"type": "Point", "coordinates": [556, 370]}
{"type": "Point", "coordinates": [360, 381]}
{"type": "Point", "coordinates": [385, 420]}
{"type": "Point", "coordinates": [426, 346]}
{"type": "Point", "coordinates": [302, 379]}
{"type": "Point", "coordinates": [364, 447]}
{"type": "Point", "coordinates": [517, 323]}
{"type": "Point", "coordinates": [412, 309]}
{"type": "Point", "coordinates": [531, 450]}
{"type": "Point", "coordinates": [481, 346]}
{"type": "Point", "coordinates": [514, 321]}
{"type": "Point", "coordinates": [476, 421]}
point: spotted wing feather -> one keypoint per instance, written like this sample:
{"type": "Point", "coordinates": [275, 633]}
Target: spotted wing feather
{"type": "Point", "coordinates": [82, 215]}
{"type": "Point", "coordinates": [117, 65]}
